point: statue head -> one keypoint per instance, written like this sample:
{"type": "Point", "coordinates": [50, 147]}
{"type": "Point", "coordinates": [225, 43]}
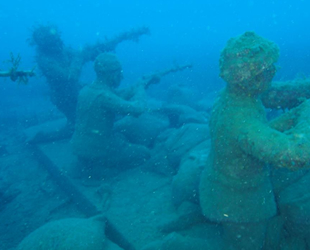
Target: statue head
{"type": "Point", "coordinates": [247, 63]}
{"type": "Point", "coordinates": [47, 38]}
{"type": "Point", "coordinates": [108, 69]}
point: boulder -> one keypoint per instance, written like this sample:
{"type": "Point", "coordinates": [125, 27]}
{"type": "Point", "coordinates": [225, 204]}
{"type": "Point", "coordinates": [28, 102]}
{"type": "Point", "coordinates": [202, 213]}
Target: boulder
{"type": "Point", "coordinates": [67, 234]}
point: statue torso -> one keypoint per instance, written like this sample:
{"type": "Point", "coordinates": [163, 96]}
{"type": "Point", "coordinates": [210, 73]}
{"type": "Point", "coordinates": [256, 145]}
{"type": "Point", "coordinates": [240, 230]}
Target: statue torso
{"type": "Point", "coordinates": [238, 181]}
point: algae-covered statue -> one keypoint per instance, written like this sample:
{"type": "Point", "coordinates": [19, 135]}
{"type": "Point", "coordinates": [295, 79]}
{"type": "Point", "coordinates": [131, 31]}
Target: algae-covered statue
{"type": "Point", "coordinates": [235, 187]}
{"type": "Point", "coordinates": [62, 65]}
{"type": "Point", "coordinates": [95, 143]}
{"type": "Point", "coordinates": [55, 61]}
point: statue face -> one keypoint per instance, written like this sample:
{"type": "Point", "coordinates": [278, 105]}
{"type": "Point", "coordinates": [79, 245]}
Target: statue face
{"type": "Point", "coordinates": [255, 85]}
{"type": "Point", "coordinates": [247, 62]}
{"type": "Point", "coordinates": [116, 78]}
{"type": "Point", "coordinates": [112, 78]}
{"type": "Point", "coordinates": [263, 80]}
{"type": "Point", "coordinates": [47, 38]}
{"type": "Point", "coordinates": [108, 69]}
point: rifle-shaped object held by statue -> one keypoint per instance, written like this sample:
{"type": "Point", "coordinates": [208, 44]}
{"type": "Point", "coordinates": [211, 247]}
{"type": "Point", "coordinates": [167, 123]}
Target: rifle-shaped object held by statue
{"type": "Point", "coordinates": [155, 78]}
{"type": "Point", "coordinates": [92, 51]}
{"type": "Point", "coordinates": [15, 74]}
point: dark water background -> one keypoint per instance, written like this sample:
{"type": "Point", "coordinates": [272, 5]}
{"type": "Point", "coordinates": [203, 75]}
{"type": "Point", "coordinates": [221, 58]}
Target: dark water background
{"type": "Point", "coordinates": [181, 31]}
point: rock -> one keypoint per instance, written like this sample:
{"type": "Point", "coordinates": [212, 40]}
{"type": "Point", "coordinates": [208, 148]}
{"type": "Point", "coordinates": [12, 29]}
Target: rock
{"type": "Point", "coordinates": [168, 153]}
{"type": "Point", "coordinates": [185, 184]}
{"type": "Point", "coordinates": [141, 130]}
{"type": "Point", "coordinates": [67, 234]}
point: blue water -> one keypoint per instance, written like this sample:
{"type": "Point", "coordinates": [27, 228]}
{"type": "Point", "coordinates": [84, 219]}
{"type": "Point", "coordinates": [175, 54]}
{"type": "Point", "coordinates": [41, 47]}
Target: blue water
{"type": "Point", "coordinates": [187, 31]}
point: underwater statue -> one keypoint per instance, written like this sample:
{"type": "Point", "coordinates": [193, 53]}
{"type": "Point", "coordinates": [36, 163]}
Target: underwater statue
{"type": "Point", "coordinates": [235, 187]}
{"type": "Point", "coordinates": [62, 65]}
{"type": "Point", "coordinates": [96, 145]}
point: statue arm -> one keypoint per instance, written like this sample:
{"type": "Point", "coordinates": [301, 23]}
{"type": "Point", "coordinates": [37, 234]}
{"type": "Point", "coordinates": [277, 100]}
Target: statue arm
{"type": "Point", "coordinates": [121, 106]}
{"type": "Point", "coordinates": [289, 119]}
{"type": "Point", "coordinates": [132, 92]}
{"type": "Point", "coordinates": [285, 121]}
{"type": "Point", "coordinates": [15, 74]}
{"type": "Point", "coordinates": [148, 80]}
{"type": "Point", "coordinates": [20, 75]}
{"type": "Point", "coordinates": [92, 51]}
{"type": "Point", "coordinates": [273, 147]}
{"type": "Point", "coordinates": [288, 94]}
{"type": "Point", "coordinates": [137, 91]}
{"type": "Point", "coordinates": [289, 149]}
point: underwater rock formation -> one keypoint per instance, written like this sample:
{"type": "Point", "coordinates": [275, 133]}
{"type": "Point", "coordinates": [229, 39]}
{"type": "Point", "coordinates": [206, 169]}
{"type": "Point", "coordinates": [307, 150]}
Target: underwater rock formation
{"type": "Point", "coordinates": [174, 144]}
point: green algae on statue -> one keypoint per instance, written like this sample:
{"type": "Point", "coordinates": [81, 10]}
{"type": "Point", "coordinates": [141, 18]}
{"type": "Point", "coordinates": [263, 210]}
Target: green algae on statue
{"type": "Point", "coordinates": [235, 187]}
{"type": "Point", "coordinates": [287, 94]}
{"type": "Point", "coordinates": [96, 145]}
{"type": "Point", "coordinates": [246, 59]}
{"type": "Point", "coordinates": [62, 65]}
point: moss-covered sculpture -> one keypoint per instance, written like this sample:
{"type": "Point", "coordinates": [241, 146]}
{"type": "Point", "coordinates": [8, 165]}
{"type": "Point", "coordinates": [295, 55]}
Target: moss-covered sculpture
{"type": "Point", "coordinates": [62, 65]}
{"type": "Point", "coordinates": [235, 187]}
{"type": "Point", "coordinates": [94, 140]}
